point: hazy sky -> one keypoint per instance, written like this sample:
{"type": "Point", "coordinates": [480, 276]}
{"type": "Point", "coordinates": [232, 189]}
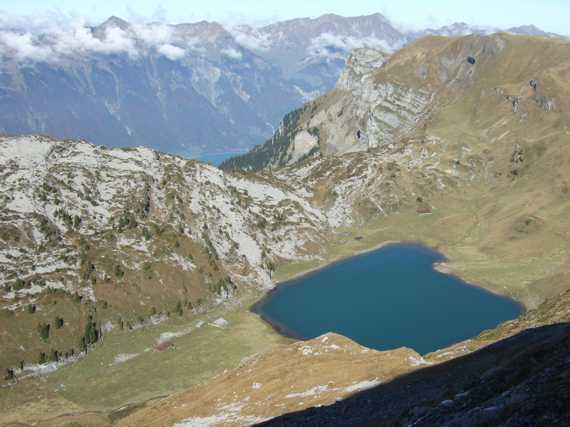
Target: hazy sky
{"type": "Point", "coordinates": [550, 15]}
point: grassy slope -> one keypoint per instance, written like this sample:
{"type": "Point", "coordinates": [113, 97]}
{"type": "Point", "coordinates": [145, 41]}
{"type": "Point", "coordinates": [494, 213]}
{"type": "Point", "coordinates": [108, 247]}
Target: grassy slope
{"type": "Point", "coordinates": [477, 246]}
{"type": "Point", "coordinates": [482, 229]}
{"type": "Point", "coordinates": [93, 385]}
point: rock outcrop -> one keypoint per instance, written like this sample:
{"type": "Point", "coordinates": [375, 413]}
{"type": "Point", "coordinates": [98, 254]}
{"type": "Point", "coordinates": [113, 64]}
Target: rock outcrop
{"type": "Point", "coordinates": [381, 100]}
{"type": "Point", "coordinates": [102, 227]}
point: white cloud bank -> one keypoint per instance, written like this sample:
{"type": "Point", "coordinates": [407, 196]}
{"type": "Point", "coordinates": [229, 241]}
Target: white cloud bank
{"type": "Point", "coordinates": [171, 52]}
{"type": "Point", "coordinates": [154, 34]}
{"type": "Point", "coordinates": [55, 44]}
{"type": "Point", "coordinates": [232, 53]}
{"type": "Point", "coordinates": [250, 38]}
{"type": "Point", "coordinates": [321, 45]}
{"type": "Point", "coordinates": [22, 47]}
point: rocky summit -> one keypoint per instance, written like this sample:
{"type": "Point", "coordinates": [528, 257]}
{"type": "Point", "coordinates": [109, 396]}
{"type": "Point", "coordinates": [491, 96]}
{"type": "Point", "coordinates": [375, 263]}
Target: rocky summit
{"type": "Point", "coordinates": [462, 143]}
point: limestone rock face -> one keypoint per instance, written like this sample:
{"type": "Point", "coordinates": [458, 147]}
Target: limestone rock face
{"type": "Point", "coordinates": [382, 99]}
{"type": "Point", "coordinates": [303, 144]}
{"type": "Point", "coordinates": [360, 64]}
{"type": "Point", "coordinates": [87, 226]}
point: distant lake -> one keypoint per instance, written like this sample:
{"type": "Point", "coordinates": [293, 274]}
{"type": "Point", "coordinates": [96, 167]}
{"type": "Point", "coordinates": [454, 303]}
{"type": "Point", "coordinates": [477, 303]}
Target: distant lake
{"type": "Point", "coordinates": [388, 298]}
{"type": "Point", "coordinates": [215, 159]}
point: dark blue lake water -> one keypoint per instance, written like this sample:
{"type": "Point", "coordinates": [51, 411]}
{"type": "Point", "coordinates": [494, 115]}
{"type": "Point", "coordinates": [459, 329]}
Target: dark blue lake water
{"type": "Point", "coordinates": [388, 298]}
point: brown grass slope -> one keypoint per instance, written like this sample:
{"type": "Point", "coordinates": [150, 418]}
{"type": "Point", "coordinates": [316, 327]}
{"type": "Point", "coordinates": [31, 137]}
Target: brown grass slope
{"type": "Point", "coordinates": [500, 131]}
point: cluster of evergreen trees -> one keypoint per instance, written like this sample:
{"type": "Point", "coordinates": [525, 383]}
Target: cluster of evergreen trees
{"type": "Point", "coordinates": [273, 149]}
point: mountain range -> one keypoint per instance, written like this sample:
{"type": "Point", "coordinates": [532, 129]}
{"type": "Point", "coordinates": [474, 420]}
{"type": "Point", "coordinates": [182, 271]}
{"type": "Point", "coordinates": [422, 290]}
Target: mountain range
{"type": "Point", "coordinates": [186, 88]}
{"type": "Point", "coordinates": [130, 272]}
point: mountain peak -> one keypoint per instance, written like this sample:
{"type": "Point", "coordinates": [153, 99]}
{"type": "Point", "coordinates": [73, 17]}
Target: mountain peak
{"type": "Point", "coordinates": [115, 22]}
{"type": "Point", "coordinates": [531, 30]}
{"type": "Point", "coordinates": [329, 16]}
{"type": "Point", "coordinates": [204, 30]}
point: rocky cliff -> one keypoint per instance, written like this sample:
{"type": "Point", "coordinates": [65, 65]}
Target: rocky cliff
{"type": "Point", "coordinates": [380, 99]}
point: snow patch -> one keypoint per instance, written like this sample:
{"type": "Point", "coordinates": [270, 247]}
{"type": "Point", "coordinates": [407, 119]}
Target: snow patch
{"type": "Point", "coordinates": [220, 323]}
{"type": "Point", "coordinates": [315, 391]}
{"type": "Point", "coordinates": [363, 385]}
{"type": "Point", "coordinates": [123, 357]}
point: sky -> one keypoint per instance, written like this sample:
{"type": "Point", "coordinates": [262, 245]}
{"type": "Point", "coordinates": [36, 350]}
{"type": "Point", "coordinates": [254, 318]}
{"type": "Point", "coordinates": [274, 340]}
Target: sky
{"type": "Point", "coordinates": [550, 15]}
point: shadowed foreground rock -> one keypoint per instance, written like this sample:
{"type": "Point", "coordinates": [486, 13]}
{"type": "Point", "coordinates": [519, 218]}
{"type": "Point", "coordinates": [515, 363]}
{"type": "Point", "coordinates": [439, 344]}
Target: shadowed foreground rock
{"type": "Point", "coordinates": [522, 380]}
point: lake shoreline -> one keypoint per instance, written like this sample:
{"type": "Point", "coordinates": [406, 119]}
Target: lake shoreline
{"type": "Point", "coordinates": [336, 260]}
{"type": "Point", "coordinates": [439, 266]}
{"type": "Point", "coordinates": [281, 330]}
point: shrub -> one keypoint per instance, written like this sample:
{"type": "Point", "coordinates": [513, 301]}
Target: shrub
{"type": "Point", "coordinates": [119, 273]}
{"type": "Point", "coordinates": [92, 334]}
{"type": "Point", "coordinates": [44, 330]}
{"type": "Point", "coordinates": [59, 322]}
{"type": "Point", "coordinates": [179, 308]}
{"type": "Point", "coordinates": [43, 359]}
{"type": "Point", "coordinates": [10, 375]}
{"type": "Point", "coordinates": [20, 284]}
{"type": "Point", "coordinates": [146, 233]}
{"type": "Point", "coordinates": [147, 269]}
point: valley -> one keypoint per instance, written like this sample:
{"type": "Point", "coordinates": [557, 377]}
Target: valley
{"type": "Point", "coordinates": [425, 146]}
{"type": "Point", "coordinates": [71, 390]}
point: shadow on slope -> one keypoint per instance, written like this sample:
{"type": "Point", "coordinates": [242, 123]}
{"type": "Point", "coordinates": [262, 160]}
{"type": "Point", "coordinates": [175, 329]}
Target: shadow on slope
{"type": "Point", "coordinates": [521, 380]}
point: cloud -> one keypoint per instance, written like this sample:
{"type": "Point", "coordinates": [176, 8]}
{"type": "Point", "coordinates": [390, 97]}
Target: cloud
{"type": "Point", "coordinates": [79, 40]}
{"type": "Point", "coordinates": [76, 39]}
{"type": "Point", "coordinates": [327, 45]}
{"type": "Point", "coordinates": [118, 41]}
{"type": "Point", "coordinates": [232, 53]}
{"type": "Point", "coordinates": [22, 47]}
{"type": "Point", "coordinates": [160, 37]}
{"type": "Point", "coordinates": [154, 34]}
{"type": "Point", "coordinates": [171, 52]}
{"type": "Point", "coordinates": [59, 44]}
{"type": "Point", "coordinates": [250, 38]}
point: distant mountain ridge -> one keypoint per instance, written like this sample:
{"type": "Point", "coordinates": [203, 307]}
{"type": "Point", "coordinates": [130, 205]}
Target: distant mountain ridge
{"type": "Point", "coordinates": [184, 88]}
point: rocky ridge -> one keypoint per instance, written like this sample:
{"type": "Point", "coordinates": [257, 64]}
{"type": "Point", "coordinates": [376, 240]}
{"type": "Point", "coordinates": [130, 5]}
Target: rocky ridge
{"type": "Point", "coordinates": [381, 99]}
{"type": "Point", "coordinates": [100, 226]}
{"type": "Point", "coordinates": [197, 81]}
{"type": "Point", "coordinates": [118, 221]}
